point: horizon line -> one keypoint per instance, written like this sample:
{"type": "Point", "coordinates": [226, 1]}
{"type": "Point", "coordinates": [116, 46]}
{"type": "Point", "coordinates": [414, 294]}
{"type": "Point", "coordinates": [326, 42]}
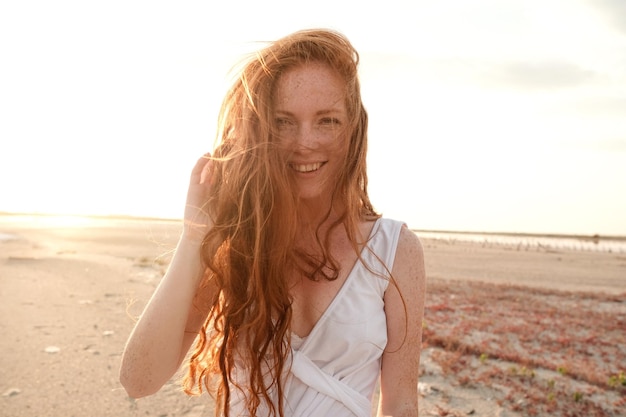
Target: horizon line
{"type": "Point", "coordinates": [595, 236]}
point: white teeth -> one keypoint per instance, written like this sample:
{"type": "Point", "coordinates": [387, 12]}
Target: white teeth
{"type": "Point", "coordinates": [307, 167]}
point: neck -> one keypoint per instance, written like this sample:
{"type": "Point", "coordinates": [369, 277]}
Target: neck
{"type": "Point", "coordinates": [317, 212]}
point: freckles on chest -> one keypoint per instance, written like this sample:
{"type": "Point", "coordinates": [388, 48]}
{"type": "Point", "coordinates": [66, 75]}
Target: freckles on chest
{"type": "Point", "coordinates": [310, 300]}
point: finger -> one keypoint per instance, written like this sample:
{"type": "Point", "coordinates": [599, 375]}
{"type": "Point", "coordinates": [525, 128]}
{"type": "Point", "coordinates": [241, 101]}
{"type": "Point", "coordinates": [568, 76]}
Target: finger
{"type": "Point", "coordinates": [198, 173]}
{"type": "Point", "coordinates": [207, 172]}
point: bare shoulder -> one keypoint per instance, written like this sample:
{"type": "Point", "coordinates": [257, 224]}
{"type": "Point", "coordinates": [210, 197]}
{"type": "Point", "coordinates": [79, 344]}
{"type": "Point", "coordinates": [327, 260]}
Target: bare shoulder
{"type": "Point", "coordinates": [409, 276]}
{"type": "Point", "coordinates": [404, 308]}
{"type": "Point", "coordinates": [409, 261]}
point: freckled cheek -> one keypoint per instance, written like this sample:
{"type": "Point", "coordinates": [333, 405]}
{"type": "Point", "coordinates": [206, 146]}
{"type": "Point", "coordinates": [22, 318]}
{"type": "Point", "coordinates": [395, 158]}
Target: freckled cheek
{"type": "Point", "coordinates": [285, 137]}
{"type": "Point", "coordinates": [339, 144]}
{"type": "Point", "coordinates": [315, 138]}
{"type": "Point", "coordinates": [330, 140]}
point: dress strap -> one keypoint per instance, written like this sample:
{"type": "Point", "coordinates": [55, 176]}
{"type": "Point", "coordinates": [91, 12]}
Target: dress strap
{"type": "Point", "coordinates": [388, 235]}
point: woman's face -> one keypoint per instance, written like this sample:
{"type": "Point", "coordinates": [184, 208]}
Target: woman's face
{"type": "Point", "coordinates": [312, 122]}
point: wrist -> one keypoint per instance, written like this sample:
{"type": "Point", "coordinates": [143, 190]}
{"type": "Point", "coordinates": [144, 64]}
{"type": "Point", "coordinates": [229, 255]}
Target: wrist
{"type": "Point", "coordinates": [194, 231]}
{"type": "Point", "coordinates": [191, 238]}
{"type": "Point", "coordinates": [188, 256]}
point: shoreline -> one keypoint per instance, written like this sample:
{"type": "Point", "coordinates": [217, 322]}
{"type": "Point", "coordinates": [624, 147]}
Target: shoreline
{"type": "Point", "coordinates": [443, 232]}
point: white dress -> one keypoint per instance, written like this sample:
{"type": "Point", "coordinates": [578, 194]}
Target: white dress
{"type": "Point", "coordinates": [334, 370]}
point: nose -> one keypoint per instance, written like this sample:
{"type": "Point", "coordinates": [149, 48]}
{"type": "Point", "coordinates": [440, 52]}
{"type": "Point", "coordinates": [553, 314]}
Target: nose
{"type": "Point", "coordinates": [305, 137]}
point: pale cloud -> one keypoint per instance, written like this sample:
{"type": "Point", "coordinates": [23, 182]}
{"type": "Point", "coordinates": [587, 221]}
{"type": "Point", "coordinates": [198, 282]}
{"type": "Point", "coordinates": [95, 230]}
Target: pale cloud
{"type": "Point", "coordinates": [601, 106]}
{"type": "Point", "coordinates": [539, 75]}
{"type": "Point", "coordinates": [614, 11]}
{"type": "Point", "coordinates": [611, 145]}
{"type": "Point", "coordinates": [524, 74]}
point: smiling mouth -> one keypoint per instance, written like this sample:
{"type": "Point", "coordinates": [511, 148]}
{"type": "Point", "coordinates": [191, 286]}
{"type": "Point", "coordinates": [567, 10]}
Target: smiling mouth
{"type": "Point", "coordinates": [305, 168]}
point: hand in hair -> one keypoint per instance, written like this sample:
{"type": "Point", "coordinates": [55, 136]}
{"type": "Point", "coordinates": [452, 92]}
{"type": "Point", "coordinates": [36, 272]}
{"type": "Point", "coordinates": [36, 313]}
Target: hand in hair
{"type": "Point", "coordinates": [196, 219]}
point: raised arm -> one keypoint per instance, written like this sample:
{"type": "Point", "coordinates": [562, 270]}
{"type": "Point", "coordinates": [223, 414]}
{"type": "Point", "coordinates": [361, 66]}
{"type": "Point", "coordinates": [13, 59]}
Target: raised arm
{"type": "Point", "coordinates": [170, 322]}
{"type": "Point", "coordinates": [400, 362]}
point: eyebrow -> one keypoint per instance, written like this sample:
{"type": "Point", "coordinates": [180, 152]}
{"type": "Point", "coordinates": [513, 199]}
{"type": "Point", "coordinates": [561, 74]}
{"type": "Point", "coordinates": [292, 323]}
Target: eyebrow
{"type": "Point", "coordinates": [318, 113]}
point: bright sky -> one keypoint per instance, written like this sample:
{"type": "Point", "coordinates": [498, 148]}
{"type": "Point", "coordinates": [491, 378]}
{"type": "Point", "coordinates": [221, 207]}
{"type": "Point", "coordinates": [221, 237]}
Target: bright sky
{"type": "Point", "coordinates": [486, 115]}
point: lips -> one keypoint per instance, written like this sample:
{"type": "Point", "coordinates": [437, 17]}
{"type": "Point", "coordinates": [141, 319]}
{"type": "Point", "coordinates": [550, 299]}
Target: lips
{"type": "Point", "coordinates": [305, 168]}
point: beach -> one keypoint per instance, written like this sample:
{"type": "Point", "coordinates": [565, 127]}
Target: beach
{"type": "Point", "coordinates": [508, 330]}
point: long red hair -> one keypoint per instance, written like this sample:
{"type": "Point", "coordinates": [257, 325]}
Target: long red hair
{"type": "Point", "coordinates": [255, 219]}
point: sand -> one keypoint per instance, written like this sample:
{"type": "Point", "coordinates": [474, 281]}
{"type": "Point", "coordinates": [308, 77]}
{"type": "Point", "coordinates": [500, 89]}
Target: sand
{"type": "Point", "coordinates": [70, 287]}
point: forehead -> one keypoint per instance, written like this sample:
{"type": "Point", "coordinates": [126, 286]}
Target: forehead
{"type": "Point", "coordinates": [312, 83]}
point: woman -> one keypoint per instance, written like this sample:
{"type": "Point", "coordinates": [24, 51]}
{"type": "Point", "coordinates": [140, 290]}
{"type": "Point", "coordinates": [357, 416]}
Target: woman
{"type": "Point", "coordinates": [298, 295]}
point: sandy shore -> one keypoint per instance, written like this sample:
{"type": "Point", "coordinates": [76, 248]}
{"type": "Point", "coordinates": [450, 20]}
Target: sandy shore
{"type": "Point", "coordinates": [69, 289]}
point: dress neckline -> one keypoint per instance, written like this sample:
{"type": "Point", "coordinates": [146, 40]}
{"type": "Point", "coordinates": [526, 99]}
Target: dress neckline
{"type": "Point", "coordinates": [301, 340]}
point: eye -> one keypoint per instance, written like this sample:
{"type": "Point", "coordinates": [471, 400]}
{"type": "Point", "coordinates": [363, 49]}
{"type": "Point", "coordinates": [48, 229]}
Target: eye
{"type": "Point", "coordinates": [283, 123]}
{"type": "Point", "coordinates": [330, 121]}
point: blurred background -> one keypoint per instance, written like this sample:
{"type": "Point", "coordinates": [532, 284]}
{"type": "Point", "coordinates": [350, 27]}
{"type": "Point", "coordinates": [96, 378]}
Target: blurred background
{"type": "Point", "coordinates": [485, 116]}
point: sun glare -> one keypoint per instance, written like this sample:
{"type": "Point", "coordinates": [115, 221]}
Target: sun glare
{"type": "Point", "coordinates": [51, 220]}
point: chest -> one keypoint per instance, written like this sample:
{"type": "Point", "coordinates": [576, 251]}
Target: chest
{"type": "Point", "coordinates": [311, 299]}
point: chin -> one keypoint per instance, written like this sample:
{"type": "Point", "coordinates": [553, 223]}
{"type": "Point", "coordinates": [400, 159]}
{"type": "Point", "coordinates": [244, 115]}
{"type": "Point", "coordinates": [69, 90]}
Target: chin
{"type": "Point", "coordinates": [310, 196]}
{"type": "Point", "coordinates": [313, 193]}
